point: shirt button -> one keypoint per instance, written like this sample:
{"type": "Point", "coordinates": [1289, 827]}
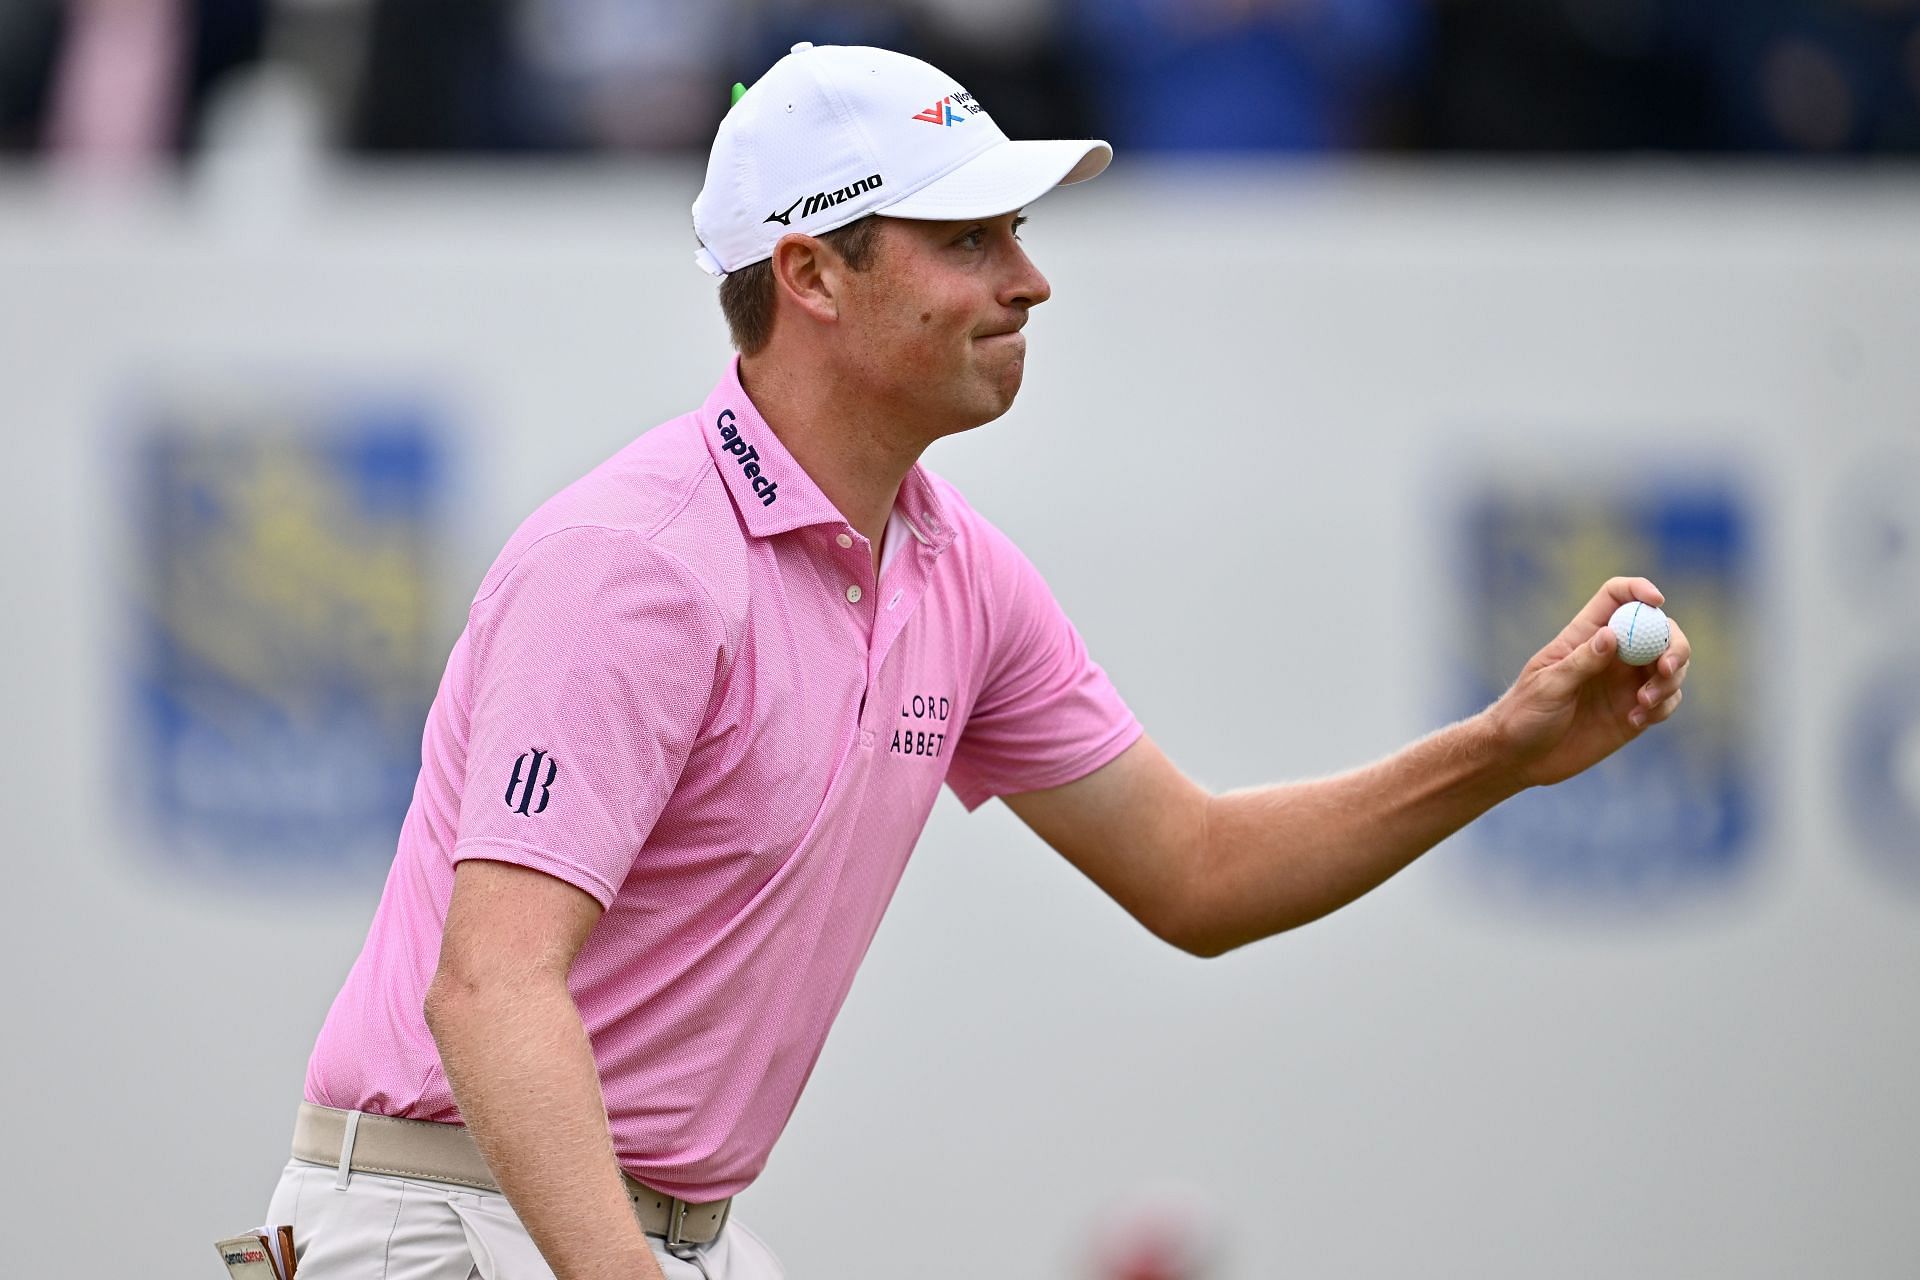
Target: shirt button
{"type": "Point", "coordinates": [853, 595]}
{"type": "Point", "coordinates": [844, 540]}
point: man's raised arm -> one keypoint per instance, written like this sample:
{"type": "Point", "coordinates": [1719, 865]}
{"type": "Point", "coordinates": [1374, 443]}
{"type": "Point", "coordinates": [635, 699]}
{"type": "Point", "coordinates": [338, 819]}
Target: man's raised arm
{"type": "Point", "coordinates": [1210, 873]}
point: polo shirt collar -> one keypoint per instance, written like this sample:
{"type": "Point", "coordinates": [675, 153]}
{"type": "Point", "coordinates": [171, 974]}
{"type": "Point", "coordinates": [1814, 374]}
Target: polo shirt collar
{"type": "Point", "coordinates": [771, 491]}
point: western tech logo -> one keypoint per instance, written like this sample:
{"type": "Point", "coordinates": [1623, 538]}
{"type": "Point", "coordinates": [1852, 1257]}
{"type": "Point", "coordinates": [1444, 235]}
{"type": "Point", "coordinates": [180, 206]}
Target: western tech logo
{"type": "Point", "coordinates": [944, 114]}
{"type": "Point", "coordinates": [825, 200]}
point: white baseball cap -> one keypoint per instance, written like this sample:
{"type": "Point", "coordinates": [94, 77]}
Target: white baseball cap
{"type": "Point", "coordinates": [833, 133]}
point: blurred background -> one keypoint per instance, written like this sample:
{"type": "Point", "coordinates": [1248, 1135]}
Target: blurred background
{"type": "Point", "coordinates": [1397, 327]}
{"type": "Point", "coordinates": [538, 77]}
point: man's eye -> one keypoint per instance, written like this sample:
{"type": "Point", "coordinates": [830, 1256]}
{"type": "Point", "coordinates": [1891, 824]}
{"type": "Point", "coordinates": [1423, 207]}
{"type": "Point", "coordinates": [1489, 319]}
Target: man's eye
{"type": "Point", "coordinates": [974, 238]}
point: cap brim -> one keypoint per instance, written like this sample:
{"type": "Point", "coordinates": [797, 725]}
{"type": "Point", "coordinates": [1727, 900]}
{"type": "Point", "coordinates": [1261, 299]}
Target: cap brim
{"type": "Point", "coordinates": [1003, 178]}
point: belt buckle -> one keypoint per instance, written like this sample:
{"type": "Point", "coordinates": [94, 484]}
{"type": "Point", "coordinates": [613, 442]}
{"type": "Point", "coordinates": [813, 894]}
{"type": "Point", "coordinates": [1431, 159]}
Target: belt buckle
{"type": "Point", "coordinates": [676, 1219]}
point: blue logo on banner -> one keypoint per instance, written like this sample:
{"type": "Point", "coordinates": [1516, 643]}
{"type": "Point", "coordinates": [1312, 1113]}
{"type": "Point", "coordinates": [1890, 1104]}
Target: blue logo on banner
{"type": "Point", "coordinates": [1881, 768]}
{"type": "Point", "coordinates": [1877, 556]}
{"type": "Point", "coordinates": [286, 653]}
{"type": "Point", "coordinates": [1672, 814]}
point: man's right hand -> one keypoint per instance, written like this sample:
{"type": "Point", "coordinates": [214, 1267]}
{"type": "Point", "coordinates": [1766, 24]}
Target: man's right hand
{"type": "Point", "coordinates": [1575, 703]}
{"type": "Point", "coordinates": [517, 1056]}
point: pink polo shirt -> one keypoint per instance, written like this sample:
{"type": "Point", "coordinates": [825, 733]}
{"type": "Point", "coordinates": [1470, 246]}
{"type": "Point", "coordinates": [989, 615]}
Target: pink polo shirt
{"type": "Point", "coordinates": [681, 689]}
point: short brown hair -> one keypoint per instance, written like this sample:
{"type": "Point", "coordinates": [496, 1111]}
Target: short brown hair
{"type": "Point", "coordinates": [746, 295]}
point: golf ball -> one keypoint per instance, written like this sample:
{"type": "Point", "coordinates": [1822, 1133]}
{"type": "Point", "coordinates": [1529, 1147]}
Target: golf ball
{"type": "Point", "coordinates": [1643, 632]}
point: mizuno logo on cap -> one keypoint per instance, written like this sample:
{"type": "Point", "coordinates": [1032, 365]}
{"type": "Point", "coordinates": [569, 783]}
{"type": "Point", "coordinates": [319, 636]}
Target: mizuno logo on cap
{"type": "Point", "coordinates": [824, 200]}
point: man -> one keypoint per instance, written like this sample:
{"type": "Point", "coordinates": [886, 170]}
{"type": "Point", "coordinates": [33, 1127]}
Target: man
{"type": "Point", "coordinates": [705, 700]}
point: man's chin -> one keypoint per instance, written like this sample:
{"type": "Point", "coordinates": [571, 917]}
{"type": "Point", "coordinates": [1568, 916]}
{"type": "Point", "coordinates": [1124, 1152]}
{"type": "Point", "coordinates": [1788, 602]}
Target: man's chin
{"type": "Point", "coordinates": [1002, 393]}
{"type": "Point", "coordinates": [992, 404]}
{"type": "Point", "coordinates": [993, 390]}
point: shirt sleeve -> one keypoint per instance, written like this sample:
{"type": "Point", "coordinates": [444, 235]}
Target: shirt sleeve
{"type": "Point", "coordinates": [1046, 714]}
{"type": "Point", "coordinates": [595, 659]}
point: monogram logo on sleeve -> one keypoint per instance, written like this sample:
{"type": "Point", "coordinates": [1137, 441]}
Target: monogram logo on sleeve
{"type": "Point", "coordinates": [526, 780]}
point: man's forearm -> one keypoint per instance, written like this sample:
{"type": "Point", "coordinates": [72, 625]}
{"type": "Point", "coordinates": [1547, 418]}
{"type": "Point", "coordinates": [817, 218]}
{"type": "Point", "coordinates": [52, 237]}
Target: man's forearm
{"type": "Point", "coordinates": [523, 1076]}
{"type": "Point", "coordinates": [1279, 856]}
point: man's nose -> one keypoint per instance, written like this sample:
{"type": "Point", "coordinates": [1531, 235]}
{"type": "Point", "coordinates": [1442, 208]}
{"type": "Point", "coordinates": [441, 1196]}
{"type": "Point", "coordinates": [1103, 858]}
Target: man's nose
{"type": "Point", "coordinates": [1026, 286]}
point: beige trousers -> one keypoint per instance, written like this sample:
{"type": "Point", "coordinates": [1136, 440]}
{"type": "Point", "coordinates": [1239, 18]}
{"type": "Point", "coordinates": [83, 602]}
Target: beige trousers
{"type": "Point", "coordinates": [378, 1227]}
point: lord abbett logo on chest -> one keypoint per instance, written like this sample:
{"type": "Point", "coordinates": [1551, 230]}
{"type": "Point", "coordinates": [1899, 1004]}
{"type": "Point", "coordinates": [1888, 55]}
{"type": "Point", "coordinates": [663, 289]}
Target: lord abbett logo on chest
{"type": "Point", "coordinates": [921, 729]}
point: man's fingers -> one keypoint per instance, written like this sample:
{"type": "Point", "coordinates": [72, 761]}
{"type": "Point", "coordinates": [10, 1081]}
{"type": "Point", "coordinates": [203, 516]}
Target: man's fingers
{"type": "Point", "coordinates": [1666, 708]}
{"type": "Point", "coordinates": [1660, 688]}
{"type": "Point", "coordinates": [1616, 592]}
{"type": "Point", "coordinates": [1619, 591]}
{"type": "Point", "coordinates": [1679, 652]}
{"type": "Point", "coordinates": [1586, 661]}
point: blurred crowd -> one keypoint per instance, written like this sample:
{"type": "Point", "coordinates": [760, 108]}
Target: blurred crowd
{"type": "Point", "coordinates": [153, 77]}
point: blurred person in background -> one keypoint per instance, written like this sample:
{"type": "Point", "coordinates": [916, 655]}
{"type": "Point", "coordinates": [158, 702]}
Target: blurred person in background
{"type": "Point", "coordinates": [546, 75]}
{"type": "Point", "coordinates": [113, 84]}
{"type": "Point", "coordinates": [1833, 77]}
{"type": "Point", "coordinates": [1565, 75]}
{"type": "Point", "coordinates": [1244, 75]}
{"type": "Point", "coordinates": [30, 36]}
{"type": "Point", "coordinates": [1814, 76]}
{"type": "Point", "coordinates": [109, 78]}
{"type": "Point", "coordinates": [1015, 55]}
{"type": "Point", "coordinates": [441, 76]}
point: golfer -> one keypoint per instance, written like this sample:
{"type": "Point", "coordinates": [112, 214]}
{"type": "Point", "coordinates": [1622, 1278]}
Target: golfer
{"type": "Point", "coordinates": [706, 697]}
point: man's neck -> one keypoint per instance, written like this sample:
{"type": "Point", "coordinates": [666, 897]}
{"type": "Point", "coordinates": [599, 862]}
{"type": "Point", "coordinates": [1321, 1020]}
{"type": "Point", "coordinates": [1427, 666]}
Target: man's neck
{"type": "Point", "coordinates": [857, 459]}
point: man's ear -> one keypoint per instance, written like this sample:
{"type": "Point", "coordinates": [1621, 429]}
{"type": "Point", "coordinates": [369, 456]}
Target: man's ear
{"type": "Point", "coordinates": [809, 274]}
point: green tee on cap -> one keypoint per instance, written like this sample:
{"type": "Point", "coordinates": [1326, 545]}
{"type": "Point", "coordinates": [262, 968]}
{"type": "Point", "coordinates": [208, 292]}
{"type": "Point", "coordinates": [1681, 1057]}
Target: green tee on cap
{"type": "Point", "coordinates": [739, 92]}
